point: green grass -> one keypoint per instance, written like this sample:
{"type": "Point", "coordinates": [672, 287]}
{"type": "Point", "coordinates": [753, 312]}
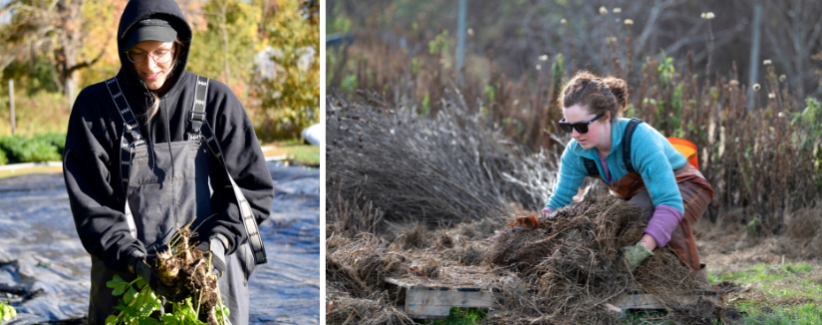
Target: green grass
{"type": "Point", "coordinates": [295, 150]}
{"type": "Point", "coordinates": [779, 293]}
{"type": "Point", "coordinates": [789, 280]}
{"type": "Point", "coordinates": [460, 316]}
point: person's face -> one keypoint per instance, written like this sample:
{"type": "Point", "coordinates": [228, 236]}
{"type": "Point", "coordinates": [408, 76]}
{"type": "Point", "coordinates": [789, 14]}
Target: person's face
{"type": "Point", "coordinates": [599, 132]}
{"type": "Point", "coordinates": [153, 61]}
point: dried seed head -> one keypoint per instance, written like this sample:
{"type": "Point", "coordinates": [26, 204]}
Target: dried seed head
{"type": "Point", "coordinates": [617, 10]}
{"type": "Point", "coordinates": [470, 32]}
{"type": "Point", "coordinates": [766, 62]}
{"type": "Point", "coordinates": [629, 22]}
{"type": "Point", "coordinates": [543, 57]}
{"type": "Point", "coordinates": [780, 114]}
{"type": "Point", "coordinates": [563, 21]}
{"type": "Point", "coordinates": [603, 10]}
{"type": "Point", "coordinates": [772, 96]}
{"type": "Point", "coordinates": [539, 67]}
{"type": "Point", "coordinates": [782, 78]}
{"type": "Point", "coordinates": [707, 15]}
{"type": "Point", "coordinates": [756, 87]}
{"type": "Point", "coordinates": [734, 82]}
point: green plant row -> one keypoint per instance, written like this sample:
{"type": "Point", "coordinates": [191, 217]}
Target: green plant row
{"type": "Point", "coordinates": [40, 148]}
{"type": "Point", "coordinates": [7, 312]}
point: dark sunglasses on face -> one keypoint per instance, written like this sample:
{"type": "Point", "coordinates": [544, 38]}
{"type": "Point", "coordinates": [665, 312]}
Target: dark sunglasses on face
{"type": "Point", "coordinates": [582, 127]}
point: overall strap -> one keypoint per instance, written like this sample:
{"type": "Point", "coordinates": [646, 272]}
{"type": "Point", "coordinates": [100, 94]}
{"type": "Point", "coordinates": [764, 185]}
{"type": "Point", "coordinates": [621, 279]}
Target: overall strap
{"type": "Point", "coordinates": [591, 166]}
{"type": "Point", "coordinates": [130, 139]}
{"type": "Point", "coordinates": [626, 143]}
{"type": "Point", "coordinates": [199, 128]}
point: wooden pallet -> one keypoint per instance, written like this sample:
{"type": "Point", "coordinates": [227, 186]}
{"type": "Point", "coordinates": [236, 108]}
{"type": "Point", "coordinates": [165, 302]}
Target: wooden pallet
{"type": "Point", "coordinates": [435, 301]}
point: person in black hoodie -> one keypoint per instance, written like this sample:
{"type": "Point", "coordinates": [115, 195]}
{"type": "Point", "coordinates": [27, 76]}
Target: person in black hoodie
{"type": "Point", "coordinates": [156, 148]}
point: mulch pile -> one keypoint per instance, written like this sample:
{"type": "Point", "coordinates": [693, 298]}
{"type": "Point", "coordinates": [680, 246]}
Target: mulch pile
{"type": "Point", "coordinates": [562, 273]}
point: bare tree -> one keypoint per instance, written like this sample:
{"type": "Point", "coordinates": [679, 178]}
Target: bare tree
{"type": "Point", "coordinates": [793, 29]}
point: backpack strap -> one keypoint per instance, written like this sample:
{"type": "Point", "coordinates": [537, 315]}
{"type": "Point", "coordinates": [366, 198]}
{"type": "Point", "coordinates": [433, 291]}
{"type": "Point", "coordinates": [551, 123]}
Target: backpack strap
{"type": "Point", "coordinates": [199, 129]}
{"type": "Point", "coordinates": [130, 139]}
{"type": "Point", "coordinates": [626, 143]}
{"type": "Point", "coordinates": [591, 166]}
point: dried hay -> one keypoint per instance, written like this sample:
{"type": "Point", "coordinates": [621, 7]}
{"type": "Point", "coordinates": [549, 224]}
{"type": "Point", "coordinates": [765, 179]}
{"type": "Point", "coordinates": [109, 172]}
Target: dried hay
{"type": "Point", "coordinates": [346, 310]}
{"type": "Point", "coordinates": [562, 273]}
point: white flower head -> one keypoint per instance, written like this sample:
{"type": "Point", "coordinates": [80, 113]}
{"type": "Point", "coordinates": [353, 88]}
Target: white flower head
{"type": "Point", "coordinates": [734, 82]}
{"type": "Point", "coordinates": [629, 21]}
{"type": "Point", "coordinates": [782, 78]}
{"type": "Point", "coordinates": [766, 62]}
{"type": "Point", "coordinates": [781, 114]}
{"type": "Point", "coordinates": [603, 10]}
{"type": "Point", "coordinates": [539, 67]}
{"type": "Point", "coordinates": [543, 57]}
{"type": "Point", "coordinates": [756, 87]}
{"type": "Point", "coordinates": [563, 21]}
{"type": "Point", "coordinates": [709, 15]}
{"type": "Point", "coordinates": [470, 32]}
{"type": "Point", "coordinates": [617, 10]}
{"type": "Point", "coordinates": [772, 96]}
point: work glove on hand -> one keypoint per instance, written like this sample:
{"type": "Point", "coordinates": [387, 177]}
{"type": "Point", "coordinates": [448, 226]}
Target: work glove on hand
{"type": "Point", "coordinates": [147, 268]}
{"type": "Point", "coordinates": [216, 248]}
{"type": "Point", "coordinates": [634, 255]}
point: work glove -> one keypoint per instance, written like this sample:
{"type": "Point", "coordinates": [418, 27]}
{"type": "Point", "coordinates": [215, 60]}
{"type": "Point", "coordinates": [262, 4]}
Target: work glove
{"type": "Point", "coordinates": [147, 268]}
{"type": "Point", "coordinates": [634, 255]}
{"type": "Point", "coordinates": [216, 248]}
{"type": "Point", "coordinates": [526, 222]}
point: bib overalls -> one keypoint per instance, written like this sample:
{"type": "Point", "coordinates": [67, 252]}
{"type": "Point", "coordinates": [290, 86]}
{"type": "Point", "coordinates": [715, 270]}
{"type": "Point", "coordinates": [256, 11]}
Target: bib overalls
{"type": "Point", "coordinates": [168, 186]}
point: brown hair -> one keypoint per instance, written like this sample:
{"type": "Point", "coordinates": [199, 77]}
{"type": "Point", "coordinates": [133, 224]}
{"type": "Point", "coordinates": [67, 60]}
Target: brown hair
{"type": "Point", "coordinates": [599, 95]}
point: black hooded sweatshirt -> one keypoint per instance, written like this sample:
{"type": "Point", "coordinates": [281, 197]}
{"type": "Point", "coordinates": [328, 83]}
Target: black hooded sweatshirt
{"type": "Point", "coordinates": [92, 156]}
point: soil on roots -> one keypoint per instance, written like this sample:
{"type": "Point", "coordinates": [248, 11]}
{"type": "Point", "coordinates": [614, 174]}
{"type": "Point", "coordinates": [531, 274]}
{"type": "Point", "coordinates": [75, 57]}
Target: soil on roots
{"type": "Point", "coordinates": [185, 268]}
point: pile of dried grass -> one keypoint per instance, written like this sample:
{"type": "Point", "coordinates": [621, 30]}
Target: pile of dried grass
{"type": "Point", "coordinates": [343, 309]}
{"type": "Point", "coordinates": [563, 272]}
{"type": "Point", "coordinates": [574, 265]}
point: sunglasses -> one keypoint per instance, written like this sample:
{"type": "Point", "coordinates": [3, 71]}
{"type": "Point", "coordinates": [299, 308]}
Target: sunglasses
{"type": "Point", "coordinates": [582, 127]}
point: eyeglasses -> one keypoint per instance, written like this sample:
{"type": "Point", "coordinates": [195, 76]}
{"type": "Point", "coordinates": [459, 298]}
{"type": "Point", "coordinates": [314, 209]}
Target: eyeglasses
{"type": "Point", "coordinates": [159, 56]}
{"type": "Point", "coordinates": [582, 127]}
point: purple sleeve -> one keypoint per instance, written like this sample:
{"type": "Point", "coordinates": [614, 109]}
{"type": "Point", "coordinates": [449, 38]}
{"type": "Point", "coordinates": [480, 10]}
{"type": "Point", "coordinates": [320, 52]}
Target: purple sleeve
{"type": "Point", "coordinates": [663, 223]}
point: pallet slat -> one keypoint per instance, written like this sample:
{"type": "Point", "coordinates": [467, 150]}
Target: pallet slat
{"type": "Point", "coordinates": [435, 302]}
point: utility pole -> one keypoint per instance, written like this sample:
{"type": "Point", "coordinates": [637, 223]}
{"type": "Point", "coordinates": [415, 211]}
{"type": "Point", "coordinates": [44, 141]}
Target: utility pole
{"type": "Point", "coordinates": [461, 37]}
{"type": "Point", "coordinates": [757, 22]}
{"type": "Point", "coordinates": [11, 104]}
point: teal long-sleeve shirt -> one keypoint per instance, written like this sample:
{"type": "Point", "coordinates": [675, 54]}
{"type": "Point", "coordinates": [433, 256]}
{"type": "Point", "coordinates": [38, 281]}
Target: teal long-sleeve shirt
{"type": "Point", "coordinates": [652, 156]}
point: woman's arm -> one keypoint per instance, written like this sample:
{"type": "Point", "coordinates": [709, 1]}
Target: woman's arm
{"type": "Point", "coordinates": [650, 159]}
{"type": "Point", "coordinates": [97, 201]}
{"type": "Point", "coordinates": [246, 164]}
{"type": "Point", "coordinates": [571, 177]}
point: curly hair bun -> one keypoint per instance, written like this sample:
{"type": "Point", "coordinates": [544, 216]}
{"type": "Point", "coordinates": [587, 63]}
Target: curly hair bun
{"type": "Point", "coordinates": [620, 90]}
